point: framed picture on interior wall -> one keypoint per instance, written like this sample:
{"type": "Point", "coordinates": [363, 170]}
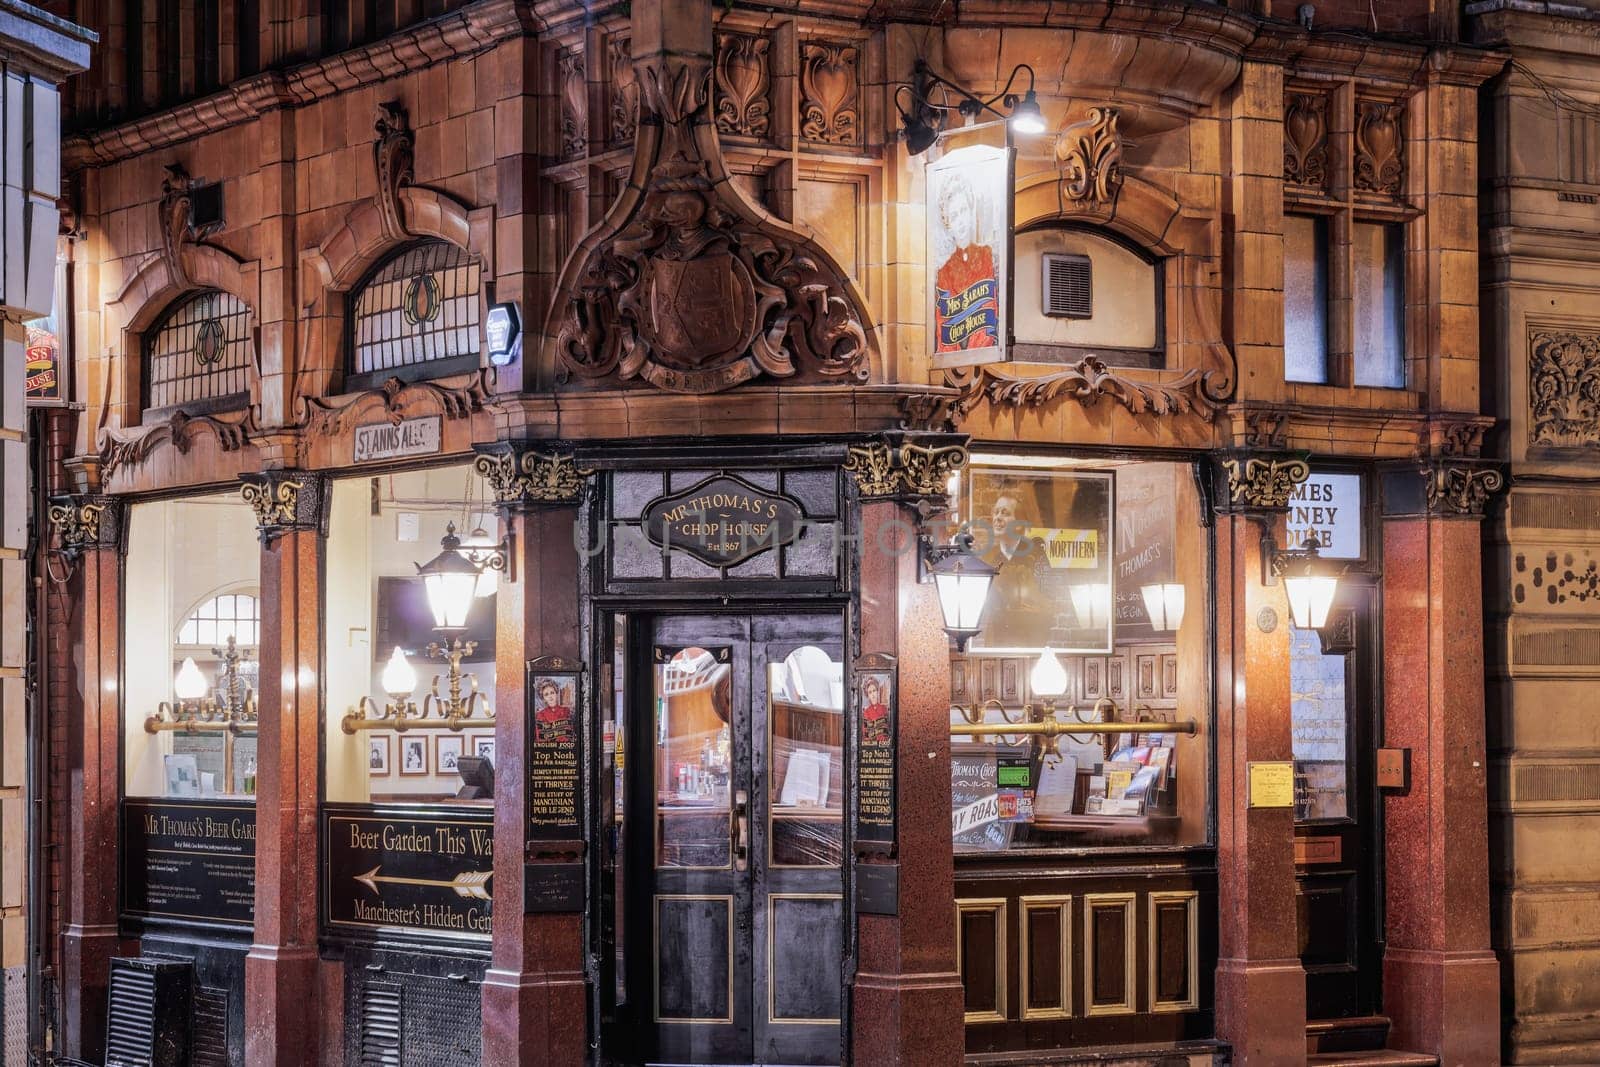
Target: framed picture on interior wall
{"type": "Point", "coordinates": [446, 750]}
{"type": "Point", "coordinates": [1048, 533]}
{"type": "Point", "coordinates": [483, 747]}
{"type": "Point", "coordinates": [413, 755]}
{"type": "Point", "coordinates": [379, 750]}
{"type": "Point", "coordinates": [969, 247]}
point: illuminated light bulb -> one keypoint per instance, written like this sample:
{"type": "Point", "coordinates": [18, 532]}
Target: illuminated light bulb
{"type": "Point", "coordinates": [1048, 678]}
{"type": "Point", "coordinates": [1163, 603]}
{"type": "Point", "coordinates": [399, 679]}
{"type": "Point", "coordinates": [189, 684]}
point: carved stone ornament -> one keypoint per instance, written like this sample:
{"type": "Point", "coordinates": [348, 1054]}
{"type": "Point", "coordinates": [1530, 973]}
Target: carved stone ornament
{"type": "Point", "coordinates": [574, 103]}
{"type": "Point", "coordinates": [1460, 490]}
{"type": "Point", "coordinates": [1564, 389]}
{"type": "Point", "coordinates": [1086, 382]}
{"type": "Point", "coordinates": [829, 93]}
{"type": "Point", "coordinates": [82, 523]}
{"type": "Point", "coordinates": [1266, 429]}
{"type": "Point", "coordinates": [180, 430]}
{"type": "Point", "coordinates": [1089, 154]}
{"type": "Point", "coordinates": [523, 477]}
{"type": "Point", "coordinates": [393, 155]}
{"type": "Point", "coordinates": [687, 285]}
{"type": "Point", "coordinates": [1263, 484]}
{"type": "Point", "coordinates": [284, 500]}
{"type": "Point", "coordinates": [624, 89]}
{"type": "Point", "coordinates": [397, 400]}
{"type": "Point", "coordinates": [744, 103]}
{"type": "Point", "coordinates": [1305, 140]}
{"type": "Point", "coordinates": [1380, 164]}
{"type": "Point", "coordinates": [176, 216]}
{"type": "Point", "coordinates": [905, 468]}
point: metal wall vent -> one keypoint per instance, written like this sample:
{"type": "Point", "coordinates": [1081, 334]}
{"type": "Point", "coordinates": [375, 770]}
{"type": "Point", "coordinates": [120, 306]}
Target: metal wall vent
{"type": "Point", "coordinates": [147, 1018]}
{"type": "Point", "coordinates": [1068, 286]}
{"type": "Point", "coordinates": [381, 1024]}
{"type": "Point", "coordinates": [210, 1040]}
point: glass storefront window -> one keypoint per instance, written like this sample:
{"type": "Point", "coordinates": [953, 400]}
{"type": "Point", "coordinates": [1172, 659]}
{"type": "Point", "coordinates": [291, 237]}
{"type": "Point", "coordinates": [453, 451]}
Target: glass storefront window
{"type": "Point", "coordinates": [1319, 717]}
{"type": "Point", "coordinates": [385, 651]}
{"type": "Point", "coordinates": [192, 633]}
{"type": "Point", "coordinates": [1097, 615]}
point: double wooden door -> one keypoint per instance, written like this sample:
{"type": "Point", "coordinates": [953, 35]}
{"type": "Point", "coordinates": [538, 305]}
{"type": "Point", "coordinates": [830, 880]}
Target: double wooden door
{"type": "Point", "coordinates": [735, 788]}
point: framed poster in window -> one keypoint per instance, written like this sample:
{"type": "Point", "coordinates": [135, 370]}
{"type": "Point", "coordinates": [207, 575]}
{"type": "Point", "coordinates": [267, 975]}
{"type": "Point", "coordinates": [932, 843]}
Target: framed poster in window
{"type": "Point", "coordinates": [1049, 535]}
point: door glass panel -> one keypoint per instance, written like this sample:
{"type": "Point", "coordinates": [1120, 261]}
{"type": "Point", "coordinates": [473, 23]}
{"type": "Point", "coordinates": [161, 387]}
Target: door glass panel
{"type": "Point", "coordinates": [805, 713]}
{"type": "Point", "coordinates": [1318, 715]}
{"type": "Point", "coordinates": [693, 699]}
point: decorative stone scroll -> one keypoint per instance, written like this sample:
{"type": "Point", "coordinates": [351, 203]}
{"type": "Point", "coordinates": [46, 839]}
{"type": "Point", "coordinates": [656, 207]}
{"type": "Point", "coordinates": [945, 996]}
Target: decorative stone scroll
{"type": "Point", "coordinates": [85, 522]}
{"type": "Point", "coordinates": [1459, 490]}
{"type": "Point", "coordinates": [1090, 156]}
{"type": "Point", "coordinates": [829, 93]}
{"type": "Point", "coordinates": [180, 430]}
{"type": "Point", "coordinates": [1261, 483]}
{"type": "Point", "coordinates": [396, 398]}
{"type": "Point", "coordinates": [744, 102]}
{"type": "Point", "coordinates": [524, 475]}
{"type": "Point", "coordinates": [911, 468]}
{"type": "Point", "coordinates": [1086, 382]}
{"type": "Point", "coordinates": [1305, 140]}
{"type": "Point", "coordinates": [1564, 389]}
{"type": "Point", "coordinates": [687, 285]}
{"type": "Point", "coordinates": [574, 93]}
{"type": "Point", "coordinates": [176, 216]}
{"type": "Point", "coordinates": [286, 501]}
{"type": "Point", "coordinates": [393, 154]}
{"type": "Point", "coordinates": [1380, 162]}
{"type": "Point", "coordinates": [624, 89]}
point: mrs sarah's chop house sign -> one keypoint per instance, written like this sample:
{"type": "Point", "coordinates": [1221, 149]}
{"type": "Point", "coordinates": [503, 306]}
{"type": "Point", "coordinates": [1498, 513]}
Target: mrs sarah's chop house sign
{"type": "Point", "coordinates": [722, 521]}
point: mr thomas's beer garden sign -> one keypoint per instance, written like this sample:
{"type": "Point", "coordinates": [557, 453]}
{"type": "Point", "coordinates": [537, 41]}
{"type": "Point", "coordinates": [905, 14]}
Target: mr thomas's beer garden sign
{"type": "Point", "coordinates": [723, 520]}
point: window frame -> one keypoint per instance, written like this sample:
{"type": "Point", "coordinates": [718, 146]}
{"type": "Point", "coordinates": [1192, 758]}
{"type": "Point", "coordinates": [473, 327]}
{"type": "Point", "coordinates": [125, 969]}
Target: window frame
{"type": "Point", "coordinates": [1112, 355]}
{"type": "Point", "coordinates": [422, 370]}
{"type": "Point", "coordinates": [236, 400]}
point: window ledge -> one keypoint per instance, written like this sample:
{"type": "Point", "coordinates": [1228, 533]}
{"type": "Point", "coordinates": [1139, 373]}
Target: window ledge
{"type": "Point", "coordinates": [1359, 397]}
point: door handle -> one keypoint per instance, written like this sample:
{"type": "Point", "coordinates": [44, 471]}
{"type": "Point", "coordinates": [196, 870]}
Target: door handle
{"type": "Point", "coordinates": [741, 830]}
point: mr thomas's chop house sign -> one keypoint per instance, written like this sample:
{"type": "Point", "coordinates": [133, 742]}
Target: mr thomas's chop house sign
{"type": "Point", "coordinates": [723, 520]}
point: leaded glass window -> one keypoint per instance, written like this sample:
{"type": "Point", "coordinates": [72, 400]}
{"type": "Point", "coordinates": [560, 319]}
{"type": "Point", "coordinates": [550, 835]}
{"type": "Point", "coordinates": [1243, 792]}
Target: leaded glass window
{"type": "Point", "coordinates": [419, 307]}
{"type": "Point", "coordinates": [199, 353]}
{"type": "Point", "coordinates": [231, 614]}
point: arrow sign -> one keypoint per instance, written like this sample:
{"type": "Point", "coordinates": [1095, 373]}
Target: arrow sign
{"type": "Point", "coordinates": [466, 884]}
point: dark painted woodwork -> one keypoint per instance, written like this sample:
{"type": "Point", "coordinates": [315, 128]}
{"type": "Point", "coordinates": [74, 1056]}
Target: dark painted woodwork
{"type": "Point", "coordinates": [189, 862]}
{"type": "Point", "coordinates": [1043, 932]}
{"type": "Point", "coordinates": [1170, 934]}
{"type": "Point", "coordinates": [1108, 965]}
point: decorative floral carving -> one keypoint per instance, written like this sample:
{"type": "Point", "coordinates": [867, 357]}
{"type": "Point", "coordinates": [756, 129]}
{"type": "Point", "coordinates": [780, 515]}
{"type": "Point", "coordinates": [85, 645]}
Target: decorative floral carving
{"type": "Point", "coordinates": [743, 104]}
{"type": "Point", "coordinates": [521, 477]}
{"type": "Point", "coordinates": [1564, 389]}
{"type": "Point", "coordinates": [624, 89]}
{"type": "Point", "coordinates": [1256, 482]}
{"type": "Point", "coordinates": [176, 216]}
{"type": "Point", "coordinates": [828, 93]}
{"type": "Point", "coordinates": [179, 430]}
{"type": "Point", "coordinates": [1305, 140]}
{"type": "Point", "coordinates": [393, 154]}
{"type": "Point", "coordinates": [1460, 439]}
{"type": "Point", "coordinates": [1090, 156]}
{"type": "Point", "coordinates": [1380, 164]}
{"type": "Point", "coordinates": [1460, 490]}
{"type": "Point", "coordinates": [574, 103]}
{"type": "Point", "coordinates": [77, 523]}
{"type": "Point", "coordinates": [274, 500]}
{"type": "Point", "coordinates": [285, 500]}
{"type": "Point", "coordinates": [690, 287]}
{"type": "Point", "coordinates": [1086, 382]}
{"type": "Point", "coordinates": [904, 468]}
{"type": "Point", "coordinates": [396, 397]}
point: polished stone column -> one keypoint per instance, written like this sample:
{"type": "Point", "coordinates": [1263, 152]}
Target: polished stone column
{"type": "Point", "coordinates": [1441, 981]}
{"type": "Point", "coordinates": [89, 536]}
{"type": "Point", "coordinates": [1261, 985]}
{"type": "Point", "coordinates": [283, 1013]}
{"type": "Point", "coordinates": [535, 996]}
{"type": "Point", "coordinates": [907, 999]}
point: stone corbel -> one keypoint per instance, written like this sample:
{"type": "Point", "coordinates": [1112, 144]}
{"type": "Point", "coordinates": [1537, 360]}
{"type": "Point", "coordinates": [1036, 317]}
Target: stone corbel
{"type": "Point", "coordinates": [909, 468]}
{"type": "Point", "coordinates": [176, 215]}
{"type": "Point", "coordinates": [1258, 483]}
{"type": "Point", "coordinates": [1442, 487]}
{"type": "Point", "coordinates": [393, 154]}
{"type": "Point", "coordinates": [287, 501]}
{"type": "Point", "coordinates": [1089, 154]}
{"type": "Point", "coordinates": [84, 522]}
{"type": "Point", "coordinates": [532, 474]}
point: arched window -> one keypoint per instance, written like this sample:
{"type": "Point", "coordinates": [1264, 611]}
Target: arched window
{"type": "Point", "coordinates": [416, 315]}
{"type": "Point", "coordinates": [199, 353]}
{"type": "Point", "coordinates": [213, 620]}
{"type": "Point", "coordinates": [1081, 291]}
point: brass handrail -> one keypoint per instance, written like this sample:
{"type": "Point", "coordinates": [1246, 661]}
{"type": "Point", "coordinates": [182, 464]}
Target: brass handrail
{"type": "Point", "coordinates": [1053, 727]}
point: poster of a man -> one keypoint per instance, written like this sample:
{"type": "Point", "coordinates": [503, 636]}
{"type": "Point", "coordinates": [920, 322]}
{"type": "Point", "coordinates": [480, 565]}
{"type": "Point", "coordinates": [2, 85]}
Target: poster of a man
{"type": "Point", "coordinates": [875, 710]}
{"type": "Point", "coordinates": [552, 723]}
{"type": "Point", "coordinates": [968, 224]}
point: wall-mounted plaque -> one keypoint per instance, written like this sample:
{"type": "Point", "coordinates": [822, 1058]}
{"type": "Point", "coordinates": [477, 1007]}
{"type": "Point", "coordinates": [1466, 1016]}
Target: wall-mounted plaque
{"type": "Point", "coordinates": [189, 861]}
{"type": "Point", "coordinates": [555, 751]}
{"type": "Point", "coordinates": [875, 750]}
{"type": "Point", "coordinates": [408, 871]}
{"type": "Point", "coordinates": [723, 520]}
{"type": "Point", "coordinates": [390, 440]}
{"type": "Point", "coordinates": [1271, 783]}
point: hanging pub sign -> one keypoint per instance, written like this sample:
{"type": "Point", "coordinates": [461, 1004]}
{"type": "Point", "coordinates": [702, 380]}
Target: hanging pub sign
{"type": "Point", "coordinates": [555, 751]}
{"type": "Point", "coordinates": [723, 520]}
{"type": "Point", "coordinates": [391, 440]}
{"type": "Point", "coordinates": [1328, 505]}
{"type": "Point", "coordinates": [408, 871]}
{"type": "Point", "coordinates": [189, 861]}
{"type": "Point", "coordinates": [43, 376]}
{"type": "Point", "coordinates": [876, 701]}
{"type": "Point", "coordinates": [969, 241]}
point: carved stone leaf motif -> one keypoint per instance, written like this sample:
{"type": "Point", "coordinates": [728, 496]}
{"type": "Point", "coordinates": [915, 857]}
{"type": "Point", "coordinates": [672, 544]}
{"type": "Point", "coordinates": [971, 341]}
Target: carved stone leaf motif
{"type": "Point", "coordinates": [179, 431]}
{"type": "Point", "coordinates": [1086, 382]}
{"type": "Point", "coordinates": [77, 524]}
{"type": "Point", "coordinates": [1264, 483]}
{"type": "Point", "coordinates": [393, 154]}
{"type": "Point", "coordinates": [1564, 389]}
{"type": "Point", "coordinates": [1090, 156]}
{"type": "Point", "coordinates": [1305, 140]}
{"type": "Point", "coordinates": [692, 288]}
{"type": "Point", "coordinates": [905, 471]}
{"type": "Point", "coordinates": [744, 104]}
{"type": "Point", "coordinates": [574, 103]}
{"type": "Point", "coordinates": [274, 501]}
{"type": "Point", "coordinates": [829, 93]}
{"type": "Point", "coordinates": [532, 477]}
{"type": "Point", "coordinates": [1380, 165]}
{"type": "Point", "coordinates": [176, 216]}
{"type": "Point", "coordinates": [1461, 490]}
{"type": "Point", "coordinates": [624, 89]}
{"type": "Point", "coordinates": [396, 397]}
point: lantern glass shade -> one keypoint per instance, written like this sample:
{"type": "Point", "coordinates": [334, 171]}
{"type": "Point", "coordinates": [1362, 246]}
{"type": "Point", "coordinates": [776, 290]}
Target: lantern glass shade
{"type": "Point", "coordinates": [1026, 116]}
{"type": "Point", "coordinates": [1048, 678]}
{"type": "Point", "coordinates": [451, 582]}
{"type": "Point", "coordinates": [189, 684]}
{"type": "Point", "coordinates": [962, 578]}
{"type": "Point", "coordinates": [1310, 598]}
{"type": "Point", "coordinates": [399, 677]}
{"type": "Point", "coordinates": [1092, 603]}
{"type": "Point", "coordinates": [1163, 604]}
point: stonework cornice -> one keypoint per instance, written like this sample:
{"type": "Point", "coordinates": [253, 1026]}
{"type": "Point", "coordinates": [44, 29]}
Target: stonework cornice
{"type": "Point", "coordinates": [906, 467]}
{"type": "Point", "coordinates": [527, 475]}
{"type": "Point", "coordinates": [286, 501]}
{"type": "Point", "coordinates": [85, 522]}
{"type": "Point", "coordinates": [1259, 482]}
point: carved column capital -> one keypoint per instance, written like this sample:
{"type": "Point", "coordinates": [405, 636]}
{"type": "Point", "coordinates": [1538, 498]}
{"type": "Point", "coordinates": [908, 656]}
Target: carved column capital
{"type": "Point", "coordinates": [532, 474]}
{"type": "Point", "coordinates": [1448, 487]}
{"type": "Point", "coordinates": [913, 468]}
{"type": "Point", "coordinates": [286, 501]}
{"type": "Point", "coordinates": [86, 522]}
{"type": "Point", "coordinates": [1258, 482]}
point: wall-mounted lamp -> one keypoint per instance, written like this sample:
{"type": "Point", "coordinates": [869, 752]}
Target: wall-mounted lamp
{"type": "Point", "coordinates": [1091, 602]}
{"type": "Point", "coordinates": [455, 577]}
{"type": "Point", "coordinates": [1310, 582]}
{"type": "Point", "coordinates": [926, 119]}
{"type": "Point", "coordinates": [502, 329]}
{"type": "Point", "coordinates": [1163, 605]}
{"type": "Point", "coordinates": [962, 578]}
{"type": "Point", "coordinates": [233, 709]}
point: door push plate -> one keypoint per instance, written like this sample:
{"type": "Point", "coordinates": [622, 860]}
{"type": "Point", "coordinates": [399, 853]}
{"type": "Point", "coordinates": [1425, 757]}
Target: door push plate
{"type": "Point", "coordinates": [1394, 768]}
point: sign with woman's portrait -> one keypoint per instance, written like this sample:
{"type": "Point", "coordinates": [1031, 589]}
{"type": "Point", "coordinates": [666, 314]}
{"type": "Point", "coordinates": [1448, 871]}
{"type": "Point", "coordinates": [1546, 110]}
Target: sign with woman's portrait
{"type": "Point", "coordinates": [1048, 533]}
{"type": "Point", "coordinates": [969, 235]}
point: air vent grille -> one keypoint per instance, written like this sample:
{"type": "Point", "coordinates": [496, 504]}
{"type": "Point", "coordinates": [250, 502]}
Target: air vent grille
{"type": "Point", "coordinates": [381, 1021]}
{"type": "Point", "coordinates": [1068, 286]}
{"type": "Point", "coordinates": [147, 1019]}
{"type": "Point", "coordinates": [210, 1048]}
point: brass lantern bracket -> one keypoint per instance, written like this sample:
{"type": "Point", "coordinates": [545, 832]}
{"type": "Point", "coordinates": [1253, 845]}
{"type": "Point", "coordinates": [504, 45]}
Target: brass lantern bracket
{"type": "Point", "coordinates": [458, 708]}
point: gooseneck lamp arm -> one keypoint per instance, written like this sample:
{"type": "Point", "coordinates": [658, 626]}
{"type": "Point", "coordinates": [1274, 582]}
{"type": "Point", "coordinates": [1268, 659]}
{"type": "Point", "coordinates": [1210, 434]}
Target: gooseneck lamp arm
{"type": "Point", "coordinates": [926, 116]}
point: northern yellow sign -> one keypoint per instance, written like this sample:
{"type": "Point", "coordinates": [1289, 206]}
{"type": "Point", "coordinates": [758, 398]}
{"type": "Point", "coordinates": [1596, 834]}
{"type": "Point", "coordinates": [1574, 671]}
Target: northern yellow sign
{"type": "Point", "coordinates": [1077, 549]}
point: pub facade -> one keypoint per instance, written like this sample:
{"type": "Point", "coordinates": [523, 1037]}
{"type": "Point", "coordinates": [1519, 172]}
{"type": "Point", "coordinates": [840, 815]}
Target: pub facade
{"type": "Point", "coordinates": [683, 533]}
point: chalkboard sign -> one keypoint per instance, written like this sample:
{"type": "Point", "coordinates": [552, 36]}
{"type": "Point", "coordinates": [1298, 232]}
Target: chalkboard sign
{"type": "Point", "coordinates": [407, 871]}
{"type": "Point", "coordinates": [1146, 539]}
{"type": "Point", "coordinates": [555, 751]}
{"type": "Point", "coordinates": [977, 821]}
{"type": "Point", "coordinates": [191, 861]}
{"type": "Point", "coordinates": [876, 717]}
